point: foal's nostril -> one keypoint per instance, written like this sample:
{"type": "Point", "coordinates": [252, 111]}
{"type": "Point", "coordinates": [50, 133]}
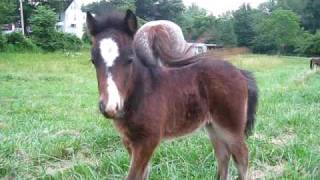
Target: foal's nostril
{"type": "Point", "coordinates": [102, 107]}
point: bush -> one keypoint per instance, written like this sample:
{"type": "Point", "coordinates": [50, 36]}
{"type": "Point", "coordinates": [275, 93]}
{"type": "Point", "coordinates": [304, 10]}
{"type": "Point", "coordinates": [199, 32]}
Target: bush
{"type": "Point", "coordinates": [309, 44]}
{"type": "Point", "coordinates": [67, 41]}
{"type": "Point", "coordinates": [86, 38]}
{"type": "Point", "coordinates": [3, 41]}
{"type": "Point", "coordinates": [44, 33]}
{"type": "Point", "coordinates": [16, 42]}
{"type": "Point", "coordinates": [72, 42]}
{"type": "Point", "coordinates": [43, 28]}
{"type": "Point", "coordinates": [15, 38]}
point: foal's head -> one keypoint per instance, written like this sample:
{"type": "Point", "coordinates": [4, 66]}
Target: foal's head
{"type": "Point", "coordinates": [111, 54]}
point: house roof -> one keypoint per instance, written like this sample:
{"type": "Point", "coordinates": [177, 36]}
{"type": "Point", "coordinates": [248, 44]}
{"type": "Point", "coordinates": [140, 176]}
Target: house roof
{"type": "Point", "coordinates": [67, 4]}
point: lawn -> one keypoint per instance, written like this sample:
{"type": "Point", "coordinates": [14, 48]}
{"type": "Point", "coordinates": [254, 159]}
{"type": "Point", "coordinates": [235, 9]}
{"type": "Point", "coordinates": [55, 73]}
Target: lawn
{"type": "Point", "coordinates": [50, 127]}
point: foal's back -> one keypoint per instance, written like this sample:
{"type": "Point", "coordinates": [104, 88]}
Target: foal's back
{"type": "Point", "coordinates": [195, 94]}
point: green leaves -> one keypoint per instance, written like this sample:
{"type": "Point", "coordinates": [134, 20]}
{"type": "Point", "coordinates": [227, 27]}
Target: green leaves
{"type": "Point", "coordinates": [277, 31]}
{"type": "Point", "coordinates": [243, 25]}
{"type": "Point", "coordinates": [8, 11]}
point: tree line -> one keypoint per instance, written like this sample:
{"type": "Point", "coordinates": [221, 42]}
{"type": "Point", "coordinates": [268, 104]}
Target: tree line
{"type": "Point", "coordinates": [276, 26]}
{"type": "Point", "coordinates": [41, 16]}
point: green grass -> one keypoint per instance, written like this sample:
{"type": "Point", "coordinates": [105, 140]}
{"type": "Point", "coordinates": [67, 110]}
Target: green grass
{"type": "Point", "coordinates": [50, 127]}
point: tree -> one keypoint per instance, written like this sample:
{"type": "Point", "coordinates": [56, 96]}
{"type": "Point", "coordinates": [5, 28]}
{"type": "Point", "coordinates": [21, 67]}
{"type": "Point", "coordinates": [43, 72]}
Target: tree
{"type": "Point", "coordinates": [225, 31]}
{"type": "Point", "coordinates": [243, 25]}
{"type": "Point", "coordinates": [43, 27]}
{"type": "Point", "coordinates": [311, 15]}
{"type": "Point", "coordinates": [8, 11]}
{"type": "Point", "coordinates": [101, 6]}
{"type": "Point", "coordinates": [159, 9]}
{"type": "Point", "coordinates": [278, 31]}
{"type": "Point", "coordinates": [145, 9]}
{"type": "Point", "coordinates": [169, 9]}
{"type": "Point", "coordinates": [197, 25]}
{"type": "Point", "coordinates": [57, 5]}
{"type": "Point", "coordinates": [268, 6]}
{"type": "Point", "coordinates": [309, 44]}
{"type": "Point", "coordinates": [308, 10]}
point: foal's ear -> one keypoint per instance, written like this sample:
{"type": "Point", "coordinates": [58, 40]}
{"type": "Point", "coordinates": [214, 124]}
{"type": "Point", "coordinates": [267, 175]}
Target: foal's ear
{"type": "Point", "coordinates": [131, 21]}
{"type": "Point", "coordinates": [91, 23]}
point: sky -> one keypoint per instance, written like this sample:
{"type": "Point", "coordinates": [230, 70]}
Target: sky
{"type": "Point", "coordinates": [218, 7]}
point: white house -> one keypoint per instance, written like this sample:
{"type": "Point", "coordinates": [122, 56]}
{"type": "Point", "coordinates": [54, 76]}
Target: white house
{"type": "Point", "coordinates": [72, 19]}
{"type": "Point", "coordinates": [200, 48]}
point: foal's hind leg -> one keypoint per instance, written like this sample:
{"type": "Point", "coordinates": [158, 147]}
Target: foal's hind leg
{"type": "Point", "coordinates": [239, 151]}
{"type": "Point", "coordinates": [226, 144]}
{"type": "Point", "coordinates": [221, 152]}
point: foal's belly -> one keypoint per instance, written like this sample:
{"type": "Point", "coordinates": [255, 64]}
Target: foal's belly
{"type": "Point", "coordinates": [184, 119]}
{"type": "Point", "coordinates": [179, 128]}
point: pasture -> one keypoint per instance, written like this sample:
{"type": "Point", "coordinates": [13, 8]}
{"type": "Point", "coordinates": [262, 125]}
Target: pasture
{"type": "Point", "coordinates": [50, 127]}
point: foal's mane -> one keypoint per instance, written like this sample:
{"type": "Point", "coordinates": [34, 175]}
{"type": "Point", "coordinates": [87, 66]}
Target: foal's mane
{"type": "Point", "coordinates": [109, 19]}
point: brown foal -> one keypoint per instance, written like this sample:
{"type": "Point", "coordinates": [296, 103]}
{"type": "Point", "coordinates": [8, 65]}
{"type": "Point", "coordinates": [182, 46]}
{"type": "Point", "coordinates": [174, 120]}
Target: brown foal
{"type": "Point", "coordinates": [149, 103]}
{"type": "Point", "coordinates": [314, 62]}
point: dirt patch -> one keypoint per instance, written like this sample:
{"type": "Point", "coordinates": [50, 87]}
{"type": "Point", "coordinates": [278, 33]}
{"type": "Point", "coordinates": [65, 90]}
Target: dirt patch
{"type": "Point", "coordinates": [81, 157]}
{"type": "Point", "coordinates": [303, 77]}
{"type": "Point", "coordinates": [281, 140]}
{"type": "Point", "coordinates": [59, 167]}
{"type": "Point", "coordinates": [258, 136]}
{"type": "Point", "coordinates": [284, 138]}
{"type": "Point", "coordinates": [2, 125]}
{"type": "Point", "coordinates": [267, 170]}
{"type": "Point", "coordinates": [67, 133]}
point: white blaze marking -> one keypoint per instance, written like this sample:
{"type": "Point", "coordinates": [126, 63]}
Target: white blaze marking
{"type": "Point", "coordinates": [109, 51]}
{"type": "Point", "coordinates": [114, 101]}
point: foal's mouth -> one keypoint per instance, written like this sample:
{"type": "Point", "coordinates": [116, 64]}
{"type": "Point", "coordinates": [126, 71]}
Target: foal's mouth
{"type": "Point", "coordinates": [111, 114]}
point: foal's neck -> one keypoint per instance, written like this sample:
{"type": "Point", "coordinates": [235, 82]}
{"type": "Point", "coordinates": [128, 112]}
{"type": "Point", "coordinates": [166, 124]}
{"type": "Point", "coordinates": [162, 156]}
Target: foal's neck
{"type": "Point", "coordinates": [141, 83]}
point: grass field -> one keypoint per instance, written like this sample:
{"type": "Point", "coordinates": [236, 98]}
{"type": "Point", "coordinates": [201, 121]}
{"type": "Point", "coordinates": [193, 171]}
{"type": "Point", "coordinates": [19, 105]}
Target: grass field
{"type": "Point", "coordinates": [50, 127]}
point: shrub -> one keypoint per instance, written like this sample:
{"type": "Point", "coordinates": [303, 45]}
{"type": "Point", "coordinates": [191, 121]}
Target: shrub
{"type": "Point", "coordinates": [71, 42]}
{"type": "Point", "coordinates": [16, 42]}
{"type": "Point", "coordinates": [65, 41]}
{"type": "Point", "coordinates": [15, 38]}
{"type": "Point", "coordinates": [309, 44]}
{"type": "Point", "coordinates": [43, 28]}
{"type": "Point", "coordinates": [3, 41]}
{"type": "Point", "coordinates": [45, 35]}
{"type": "Point", "coordinates": [86, 38]}
{"type": "Point", "coordinates": [312, 47]}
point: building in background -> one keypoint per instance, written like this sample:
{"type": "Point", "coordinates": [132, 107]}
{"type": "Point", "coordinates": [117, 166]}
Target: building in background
{"type": "Point", "coordinates": [72, 19]}
{"type": "Point", "coordinates": [200, 48]}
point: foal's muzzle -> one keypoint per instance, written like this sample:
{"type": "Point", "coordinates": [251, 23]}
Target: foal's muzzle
{"type": "Point", "coordinates": [102, 107]}
{"type": "Point", "coordinates": [110, 114]}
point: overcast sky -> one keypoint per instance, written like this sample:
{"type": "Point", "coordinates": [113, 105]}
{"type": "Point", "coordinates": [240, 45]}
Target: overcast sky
{"type": "Point", "coordinates": [217, 7]}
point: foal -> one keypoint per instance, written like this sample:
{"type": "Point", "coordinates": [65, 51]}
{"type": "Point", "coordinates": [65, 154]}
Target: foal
{"type": "Point", "coordinates": [148, 103]}
{"type": "Point", "coordinates": [314, 62]}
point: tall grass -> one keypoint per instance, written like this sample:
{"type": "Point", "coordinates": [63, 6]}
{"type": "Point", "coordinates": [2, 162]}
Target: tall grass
{"type": "Point", "coordinates": [50, 126]}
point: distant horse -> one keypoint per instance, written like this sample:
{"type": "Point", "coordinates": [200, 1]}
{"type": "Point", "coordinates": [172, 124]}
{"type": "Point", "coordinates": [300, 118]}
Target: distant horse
{"type": "Point", "coordinates": [148, 103]}
{"type": "Point", "coordinates": [314, 62]}
{"type": "Point", "coordinates": [161, 43]}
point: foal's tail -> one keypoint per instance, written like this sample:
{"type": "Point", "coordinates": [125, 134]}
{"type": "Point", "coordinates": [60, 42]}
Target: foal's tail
{"type": "Point", "coordinates": [311, 64]}
{"type": "Point", "coordinates": [252, 101]}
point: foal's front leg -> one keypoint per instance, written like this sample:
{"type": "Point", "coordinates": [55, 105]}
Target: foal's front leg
{"type": "Point", "coordinates": [141, 154]}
